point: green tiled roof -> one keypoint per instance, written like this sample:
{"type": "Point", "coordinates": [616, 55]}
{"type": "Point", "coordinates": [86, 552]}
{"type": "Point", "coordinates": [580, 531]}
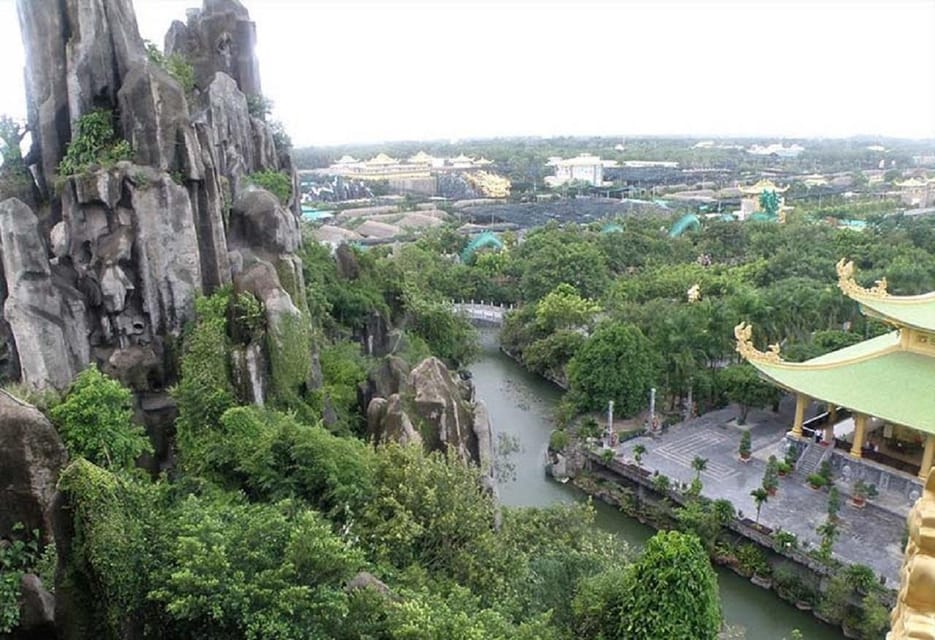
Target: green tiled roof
{"type": "Point", "coordinates": [872, 377]}
{"type": "Point", "coordinates": [914, 311]}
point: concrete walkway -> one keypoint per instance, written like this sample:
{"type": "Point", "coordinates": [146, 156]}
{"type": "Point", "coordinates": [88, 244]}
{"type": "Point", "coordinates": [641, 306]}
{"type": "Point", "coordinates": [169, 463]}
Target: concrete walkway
{"type": "Point", "coordinates": [871, 536]}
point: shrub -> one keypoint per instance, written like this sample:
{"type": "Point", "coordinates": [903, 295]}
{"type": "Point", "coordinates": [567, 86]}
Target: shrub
{"type": "Point", "coordinates": [745, 444]}
{"type": "Point", "coordinates": [95, 143]}
{"type": "Point", "coordinates": [259, 106]}
{"type": "Point", "coordinates": [16, 558]}
{"type": "Point", "coordinates": [661, 483]}
{"type": "Point", "coordinates": [750, 558]}
{"type": "Point", "coordinates": [785, 540]}
{"type": "Point", "coordinates": [95, 421]}
{"type": "Point", "coordinates": [176, 65]}
{"type": "Point", "coordinates": [816, 480]}
{"type": "Point", "coordinates": [558, 440]}
{"type": "Point", "coordinates": [276, 182]}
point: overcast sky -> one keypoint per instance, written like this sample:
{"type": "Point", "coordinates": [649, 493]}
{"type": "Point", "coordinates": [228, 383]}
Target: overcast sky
{"type": "Point", "coordinates": [356, 71]}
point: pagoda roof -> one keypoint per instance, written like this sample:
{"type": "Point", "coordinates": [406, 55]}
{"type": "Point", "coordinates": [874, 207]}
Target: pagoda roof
{"type": "Point", "coordinates": [917, 312]}
{"type": "Point", "coordinates": [761, 186]}
{"type": "Point", "coordinates": [421, 158]}
{"type": "Point", "coordinates": [381, 159]}
{"type": "Point", "coordinates": [876, 377]}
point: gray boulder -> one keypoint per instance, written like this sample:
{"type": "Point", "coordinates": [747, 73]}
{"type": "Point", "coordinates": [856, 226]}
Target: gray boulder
{"type": "Point", "coordinates": [31, 457]}
{"type": "Point", "coordinates": [103, 43]}
{"type": "Point", "coordinates": [443, 403]}
{"type": "Point", "coordinates": [287, 341]}
{"type": "Point", "coordinates": [219, 37]}
{"type": "Point", "coordinates": [47, 318]}
{"type": "Point", "coordinates": [37, 609]}
{"type": "Point", "coordinates": [229, 119]}
{"type": "Point", "coordinates": [259, 221]}
{"type": "Point", "coordinates": [154, 115]}
{"type": "Point", "coordinates": [43, 33]}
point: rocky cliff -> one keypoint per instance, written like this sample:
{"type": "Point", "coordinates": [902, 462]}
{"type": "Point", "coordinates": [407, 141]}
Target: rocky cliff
{"type": "Point", "coordinates": [433, 407]}
{"type": "Point", "coordinates": [106, 265]}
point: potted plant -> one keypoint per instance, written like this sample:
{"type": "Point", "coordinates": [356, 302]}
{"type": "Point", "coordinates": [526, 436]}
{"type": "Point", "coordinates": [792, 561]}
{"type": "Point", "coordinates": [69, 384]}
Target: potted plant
{"type": "Point", "coordinates": [861, 492]}
{"type": "Point", "coordinates": [816, 481]}
{"type": "Point", "coordinates": [834, 504]}
{"type": "Point", "coordinates": [785, 541]}
{"type": "Point", "coordinates": [638, 452]}
{"type": "Point", "coordinates": [745, 444]}
{"type": "Point", "coordinates": [783, 468]}
{"type": "Point", "coordinates": [771, 476]}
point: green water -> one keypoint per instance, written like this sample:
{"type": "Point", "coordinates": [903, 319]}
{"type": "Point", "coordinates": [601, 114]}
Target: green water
{"type": "Point", "coordinates": [522, 405]}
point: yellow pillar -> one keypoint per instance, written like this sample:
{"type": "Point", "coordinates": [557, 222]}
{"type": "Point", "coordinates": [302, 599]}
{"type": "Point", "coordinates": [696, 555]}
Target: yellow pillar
{"type": "Point", "coordinates": [800, 403]}
{"type": "Point", "coordinates": [829, 430]}
{"type": "Point", "coordinates": [832, 413]}
{"type": "Point", "coordinates": [927, 455]}
{"type": "Point", "coordinates": [860, 430]}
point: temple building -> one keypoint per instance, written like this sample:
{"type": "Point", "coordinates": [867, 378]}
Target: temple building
{"type": "Point", "coordinates": [750, 203]}
{"type": "Point", "coordinates": [879, 392]}
{"type": "Point", "coordinates": [584, 168]}
{"type": "Point", "coordinates": [917, 192]}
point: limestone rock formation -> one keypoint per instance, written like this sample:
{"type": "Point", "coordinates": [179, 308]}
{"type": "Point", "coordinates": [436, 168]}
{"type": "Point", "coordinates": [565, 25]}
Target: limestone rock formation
{"type": "Point", "coordinates": [31, 456]}
{"type": "Point", "coordinates": [46, 316]}
{"type": "Point", "coordinates": [132, 245]}
{"type": "Point", "coordinates": [37, 609]}
{"type": "Point", "coordinates": [444, 401]}
{"type": "Point", "coordinates": [431, 406]}
{"type": "Point", "coordinates": [219, 37]}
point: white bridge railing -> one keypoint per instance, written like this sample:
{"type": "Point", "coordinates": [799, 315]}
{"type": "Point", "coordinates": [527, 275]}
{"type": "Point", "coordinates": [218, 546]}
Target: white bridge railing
{"type": "Point", "coordinates": [482, 311]}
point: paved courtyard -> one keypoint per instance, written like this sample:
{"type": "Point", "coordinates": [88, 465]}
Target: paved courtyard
{"type": "Point", "coordinates": [870, 536]}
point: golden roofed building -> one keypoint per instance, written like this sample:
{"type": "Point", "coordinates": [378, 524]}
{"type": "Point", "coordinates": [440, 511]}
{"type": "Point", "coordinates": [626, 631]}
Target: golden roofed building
{"type": "Point", "coordinates": [917, 192]}
{"type": "Point", "coordinates": [886, 384]}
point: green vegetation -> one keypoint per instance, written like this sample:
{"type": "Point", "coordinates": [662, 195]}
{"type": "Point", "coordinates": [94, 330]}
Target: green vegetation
{"type": "Point", "coordinates": [276, 182]}
{"type": "Point", "coordinates": [175, 65]}
{"type": "Point", "coordinates": [745, 442]}
{"type": "Point", "coordinates": [95, 143]}
{"type": "Point", "coordinates": [617, 363]}
{"type": "Point", "coordinates": [669, 592]}
{"type": "Point", "coordinates": [15, 179]}
{"type": "Point", "coordinates": [95, 421]}
{"type": "Point", "coordinates": [19, 556]}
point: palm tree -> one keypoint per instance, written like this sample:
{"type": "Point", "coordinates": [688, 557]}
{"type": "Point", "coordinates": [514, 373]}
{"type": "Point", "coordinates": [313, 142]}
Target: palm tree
{"type": "Point", "coordinates": [638, 452]}
{"type": "Point", "coordinates": [699, 464]}
{"type": "Point", "coordinates": [760, 497]}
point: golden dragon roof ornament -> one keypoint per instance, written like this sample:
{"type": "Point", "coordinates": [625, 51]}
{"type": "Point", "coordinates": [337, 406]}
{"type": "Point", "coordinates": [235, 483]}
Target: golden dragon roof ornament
{"type": "Point", "coordinates": [743, 332]}
{"type": "Point", "coordinates": [913, 617]}
{"type": "Point", "coordinates": [850, 287]}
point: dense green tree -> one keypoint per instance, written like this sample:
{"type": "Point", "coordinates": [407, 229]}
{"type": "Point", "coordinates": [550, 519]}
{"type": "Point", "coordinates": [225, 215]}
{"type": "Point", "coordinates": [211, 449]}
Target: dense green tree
{"type": "Point", "coordinates": [563, 308]}
{"type": "Point", "coordinates": [669, 592]}
{"type": "Point", "coordinates": [744, 386]}
{"type": "Point", "coordinates": [96, 421]}
{"type": "Point", "coordinates": [616, 363]}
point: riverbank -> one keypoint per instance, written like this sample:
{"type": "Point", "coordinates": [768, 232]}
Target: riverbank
{"type": "Point", "coordinates": [835, 592]}
{"type": "Point", "coordinates": [522, 406]}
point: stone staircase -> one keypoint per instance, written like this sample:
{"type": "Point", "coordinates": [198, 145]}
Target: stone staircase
{"type": "Point", "coordinates": [811, 458]}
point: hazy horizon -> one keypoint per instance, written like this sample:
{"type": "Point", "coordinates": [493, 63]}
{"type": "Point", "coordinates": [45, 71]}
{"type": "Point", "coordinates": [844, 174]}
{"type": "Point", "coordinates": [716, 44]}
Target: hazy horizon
{"type": "Point", "coordinates": [362, 72]}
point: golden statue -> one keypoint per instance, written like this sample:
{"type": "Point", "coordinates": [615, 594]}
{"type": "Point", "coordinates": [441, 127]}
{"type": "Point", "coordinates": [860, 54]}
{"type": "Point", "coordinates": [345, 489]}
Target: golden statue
{"type": "Point", "coordinates": [913, 617]}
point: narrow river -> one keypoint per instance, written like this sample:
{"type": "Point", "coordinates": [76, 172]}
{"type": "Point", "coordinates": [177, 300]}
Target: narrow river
{"type": "Point", "coordinates": [521, 405]}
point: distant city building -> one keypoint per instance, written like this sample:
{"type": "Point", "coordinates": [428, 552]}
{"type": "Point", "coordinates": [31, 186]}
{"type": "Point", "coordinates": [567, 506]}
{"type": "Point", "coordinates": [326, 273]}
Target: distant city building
{"type": "Point", "coordinates": [643, 164]}
{"type": "Point", "coordinates": [776, 149]}
{"type": "Point", "coordinates": [418, 173]}
{"type": "Point", "coordinates": [917, 192]}
{"type": "Point", "coordinates": [583, 168]}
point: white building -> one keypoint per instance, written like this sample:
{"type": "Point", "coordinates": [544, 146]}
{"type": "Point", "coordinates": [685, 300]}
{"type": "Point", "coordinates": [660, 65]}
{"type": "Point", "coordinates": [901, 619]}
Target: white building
{"type": "Point", "coordinates": [584, 168]}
